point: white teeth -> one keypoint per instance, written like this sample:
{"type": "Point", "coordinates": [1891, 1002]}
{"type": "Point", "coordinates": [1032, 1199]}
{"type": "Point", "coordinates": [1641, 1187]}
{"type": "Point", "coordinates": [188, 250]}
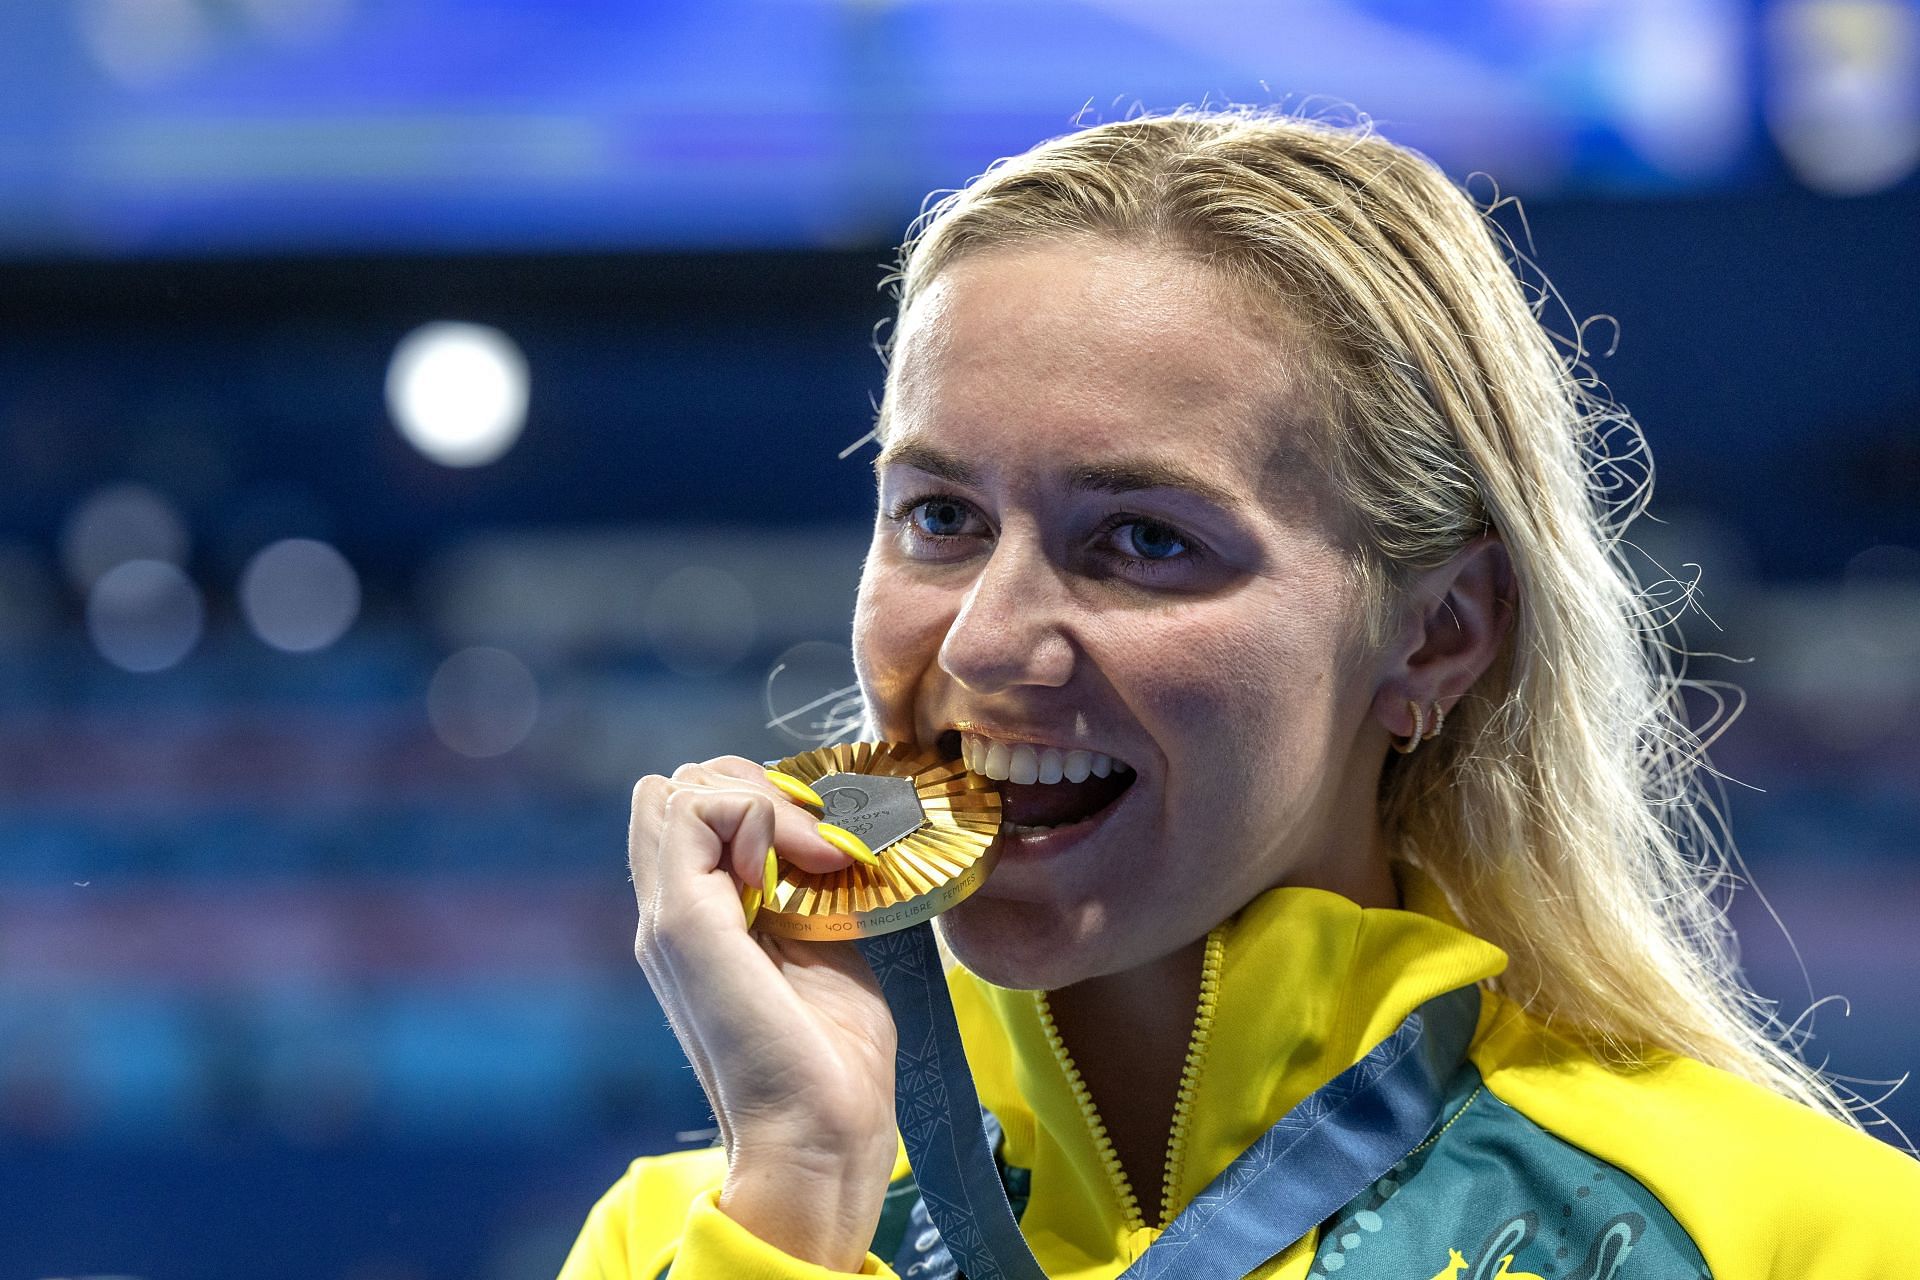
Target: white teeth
{"type": "Point", "coordinates": [1024, 768]}
{"type": "Point", "coordinates": [1025, 763]}
{"type": "Point", "coordinates": [1050, 766]}
{"type": "Point", "coordinates": [999, 756]}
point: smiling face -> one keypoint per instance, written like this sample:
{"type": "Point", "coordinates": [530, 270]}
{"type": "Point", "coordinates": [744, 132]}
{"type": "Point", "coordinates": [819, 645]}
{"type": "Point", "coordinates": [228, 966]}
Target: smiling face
{"type": "Point", "coordinates": [1204, 630]}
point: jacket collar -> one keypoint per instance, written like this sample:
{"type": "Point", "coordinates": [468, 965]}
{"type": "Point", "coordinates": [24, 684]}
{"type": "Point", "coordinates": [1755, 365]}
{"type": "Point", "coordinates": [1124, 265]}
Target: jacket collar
{"type": "Point", "coordinates": [1303, 983]}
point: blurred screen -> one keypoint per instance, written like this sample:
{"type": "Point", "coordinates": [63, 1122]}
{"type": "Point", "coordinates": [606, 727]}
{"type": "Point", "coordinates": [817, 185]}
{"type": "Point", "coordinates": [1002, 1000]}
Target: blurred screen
{"type": "Point", "coordinates": [203, 126]}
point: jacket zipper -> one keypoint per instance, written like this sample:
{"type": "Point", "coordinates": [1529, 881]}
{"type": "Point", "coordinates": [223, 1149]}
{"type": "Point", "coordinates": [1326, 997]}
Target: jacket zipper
{"type": "Point", "coordinates": [1197, 1045]}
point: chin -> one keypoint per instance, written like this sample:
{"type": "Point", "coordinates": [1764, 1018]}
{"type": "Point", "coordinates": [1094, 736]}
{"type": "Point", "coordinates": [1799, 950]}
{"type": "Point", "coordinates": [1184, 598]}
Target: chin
{"type": "Point", "coordinates": [1025, 946]}
{"type": "Point", "coordinates": [1016, 945]}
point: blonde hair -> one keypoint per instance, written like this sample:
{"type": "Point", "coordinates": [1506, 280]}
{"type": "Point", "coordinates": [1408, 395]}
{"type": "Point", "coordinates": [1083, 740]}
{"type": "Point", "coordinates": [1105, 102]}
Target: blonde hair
{"type": "Point", "coordinates": [1561, 810]}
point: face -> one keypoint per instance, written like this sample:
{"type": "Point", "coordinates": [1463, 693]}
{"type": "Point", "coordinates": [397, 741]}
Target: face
{"type": "Point", "coordinates": [1098, 530]}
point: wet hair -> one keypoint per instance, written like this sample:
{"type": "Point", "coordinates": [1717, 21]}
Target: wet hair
{"type": "Point", "coordinates": [1563, 809]}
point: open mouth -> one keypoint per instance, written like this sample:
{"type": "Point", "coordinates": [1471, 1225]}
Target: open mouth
{"type": "Point", "coordinates": [1043, 806]}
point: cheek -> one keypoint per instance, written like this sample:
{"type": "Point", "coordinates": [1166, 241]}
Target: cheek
{"type": "Point", "coordinates": [1259, 675]}
{"type": "Point", "coordinates": [898, 627]}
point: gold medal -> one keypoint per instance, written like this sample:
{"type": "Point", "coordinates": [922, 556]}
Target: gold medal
{"type": "Point", "coordinates": [934, 824]}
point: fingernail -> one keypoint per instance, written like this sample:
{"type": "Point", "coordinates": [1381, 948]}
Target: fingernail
{"type": "Point", "coordinates": [848, 843]}
{"type": "Point", "coordinates": [750, 903]}
{"type": "Point", "coordinates": [770, 876]}
{"type": "Point", "coordinates": [797, 789]}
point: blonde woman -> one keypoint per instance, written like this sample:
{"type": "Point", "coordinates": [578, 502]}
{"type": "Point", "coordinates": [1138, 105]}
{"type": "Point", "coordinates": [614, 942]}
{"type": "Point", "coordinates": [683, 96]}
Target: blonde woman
{"type": "Point", "coordinates": [1237, 514]}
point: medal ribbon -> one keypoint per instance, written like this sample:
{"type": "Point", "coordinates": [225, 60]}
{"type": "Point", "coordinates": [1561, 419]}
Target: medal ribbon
{"type": "Point", "coordinates": [1317, 1157]}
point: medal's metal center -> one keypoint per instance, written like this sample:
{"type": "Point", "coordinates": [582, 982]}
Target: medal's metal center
{"type": "Point", "coordinates": [880, 810]}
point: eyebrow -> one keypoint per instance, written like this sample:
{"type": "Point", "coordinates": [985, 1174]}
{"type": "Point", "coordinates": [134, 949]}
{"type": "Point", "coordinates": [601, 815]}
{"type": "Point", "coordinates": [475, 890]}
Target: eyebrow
{"type": "Point", "coordinates": [1124, 475]}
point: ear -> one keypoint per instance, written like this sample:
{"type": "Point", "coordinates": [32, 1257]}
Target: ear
{"type": "Point", "coordinates": [1454, 618]}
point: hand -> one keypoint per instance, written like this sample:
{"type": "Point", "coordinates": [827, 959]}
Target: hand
{"type": "Point", "coordinates": [792, 1041]}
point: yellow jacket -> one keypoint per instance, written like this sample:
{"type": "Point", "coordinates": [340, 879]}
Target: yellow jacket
{"type": "Point", "coordinates": [1546, 1164]}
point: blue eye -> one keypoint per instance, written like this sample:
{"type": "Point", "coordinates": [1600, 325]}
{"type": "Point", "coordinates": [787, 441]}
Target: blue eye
{"type": "Point", "coordinates": [1153, 540]}
{"type": "Point", "coordinates": [940, 511]}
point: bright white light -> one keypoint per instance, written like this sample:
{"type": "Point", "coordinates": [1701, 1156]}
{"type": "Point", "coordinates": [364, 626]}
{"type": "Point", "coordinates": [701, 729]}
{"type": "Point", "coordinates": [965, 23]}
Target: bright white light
{"type": "Point", "coordinates": [144, 615]}
{"type": "Point", "coordinates": [299, 595]}
{"type": "Point", "coordinates": [119, 523]}
{"type": "Point", "coordinates": [458, 392]}
{"type": "Point", "coordinates": [482, 702]}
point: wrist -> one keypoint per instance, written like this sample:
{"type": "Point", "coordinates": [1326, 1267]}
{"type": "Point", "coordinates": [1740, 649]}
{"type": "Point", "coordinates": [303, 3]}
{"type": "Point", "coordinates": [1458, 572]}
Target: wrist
{"type": "Point", "coordinates": [823, 1213]}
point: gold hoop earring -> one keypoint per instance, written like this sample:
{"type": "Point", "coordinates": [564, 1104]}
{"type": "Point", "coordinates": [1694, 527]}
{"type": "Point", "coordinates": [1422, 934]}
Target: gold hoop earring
{"type": "Point", "coordinates": [1419, 729]}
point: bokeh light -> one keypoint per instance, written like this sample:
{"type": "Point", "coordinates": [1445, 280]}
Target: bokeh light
{"type": "Point", "coordinates": [119, 523]}
{"type": "Point", "coordinates": [144, 615]}
{"type": "Point", "coordinates": [1844, 103]}
{"type": "Point", "coordinates": [482, 702]}
{"type": "Point", "coordinates": [299, 594]}
{"type": "Point", "coordinates": [700, 620]}
{"type": "Point", "coordinates": [458, 392]}
{"type": "Point", "coordinates": [142, 44]}
{"type": "Point", "coordinates": [1678, 84]}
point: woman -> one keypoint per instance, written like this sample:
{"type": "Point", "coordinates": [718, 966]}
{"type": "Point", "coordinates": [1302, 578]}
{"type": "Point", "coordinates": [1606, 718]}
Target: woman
{"type": "Point", "coordinates": [1229, 448]}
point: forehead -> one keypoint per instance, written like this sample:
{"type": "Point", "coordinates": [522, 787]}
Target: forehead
{"type": "Point", "coordinates": [1065, 353]}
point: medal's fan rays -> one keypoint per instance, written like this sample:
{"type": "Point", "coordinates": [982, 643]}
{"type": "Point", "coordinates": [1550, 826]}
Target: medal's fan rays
{"type": "Point", "coordinates": [914, 874]}
{"type": "Point", "coordinates": [920, 873]}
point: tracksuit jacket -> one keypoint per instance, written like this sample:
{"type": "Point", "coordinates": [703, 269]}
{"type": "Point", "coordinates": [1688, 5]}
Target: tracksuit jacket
{"type": "Point", "coordinates": [1544, 1162]}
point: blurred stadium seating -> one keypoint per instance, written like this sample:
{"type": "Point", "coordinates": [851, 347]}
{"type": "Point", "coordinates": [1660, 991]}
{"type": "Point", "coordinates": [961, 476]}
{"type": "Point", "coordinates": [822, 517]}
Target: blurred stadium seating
{"type": "Point", "coordinates": [314, 927]}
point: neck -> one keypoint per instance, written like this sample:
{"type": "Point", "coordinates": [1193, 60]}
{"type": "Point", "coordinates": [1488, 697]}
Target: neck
{"type": "Point", "coordinates": [1151, 1006]}
{"type": "Point", "coordinates": [1129, 1033]}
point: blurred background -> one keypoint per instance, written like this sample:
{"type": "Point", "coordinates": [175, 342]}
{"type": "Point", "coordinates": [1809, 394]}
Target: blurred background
{"type": "Point", "coordinates": [419, 419]}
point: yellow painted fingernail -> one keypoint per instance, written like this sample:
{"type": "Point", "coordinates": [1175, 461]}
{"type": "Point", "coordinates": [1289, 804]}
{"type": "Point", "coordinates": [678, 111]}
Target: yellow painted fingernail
{"type": "Point", "coordinates": [750, 903]}
{"type": "Point", "coordinates": [848, 843]}
{"type": "Point", "coordinates": [770, 876]}
{"type": "Point", "coordinates": [797, 789]}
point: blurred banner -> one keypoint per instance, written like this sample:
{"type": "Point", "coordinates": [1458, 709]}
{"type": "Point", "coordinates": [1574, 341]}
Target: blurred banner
{"type": "Point", "coordinates": [198, 126]}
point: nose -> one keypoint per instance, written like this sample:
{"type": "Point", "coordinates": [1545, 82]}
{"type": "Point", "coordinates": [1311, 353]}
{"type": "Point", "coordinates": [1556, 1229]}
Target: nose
{"type": "Point", "coordinates": [1007, 632]}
